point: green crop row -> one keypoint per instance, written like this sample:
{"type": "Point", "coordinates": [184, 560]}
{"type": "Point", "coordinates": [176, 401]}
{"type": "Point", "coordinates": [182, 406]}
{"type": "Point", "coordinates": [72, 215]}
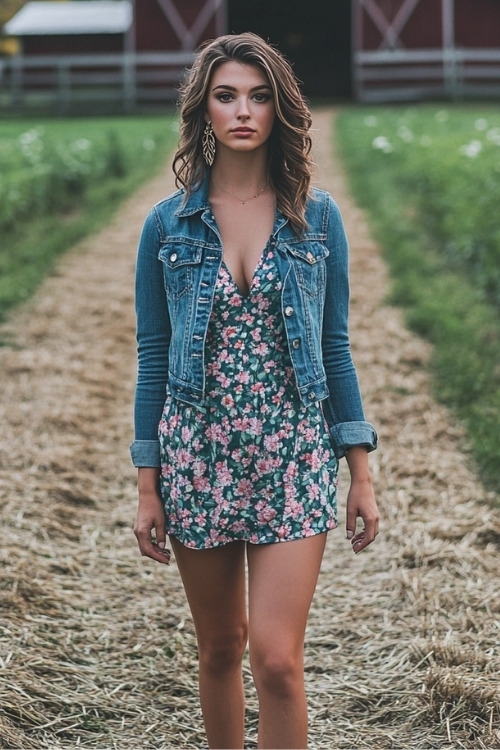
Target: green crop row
{"type": "Point", "coordinates": [61, 179]}
{"type": "Point", "coordinates": [46, 170]}
{"type": "Point", "coordinates": [429, 177]}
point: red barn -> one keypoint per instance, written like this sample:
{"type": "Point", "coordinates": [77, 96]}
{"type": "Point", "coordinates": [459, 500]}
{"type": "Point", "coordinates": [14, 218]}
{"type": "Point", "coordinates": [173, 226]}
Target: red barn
{"type": "Point", "coordinates": [415, 49]}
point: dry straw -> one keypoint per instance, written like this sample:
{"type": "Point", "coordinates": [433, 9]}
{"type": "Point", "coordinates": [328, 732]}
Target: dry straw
{"type": "Point", "coordinates": [96, 645]}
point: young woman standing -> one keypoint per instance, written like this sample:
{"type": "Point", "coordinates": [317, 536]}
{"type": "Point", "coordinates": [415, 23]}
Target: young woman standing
{"type": "Point", "coordinates": [247, 396]}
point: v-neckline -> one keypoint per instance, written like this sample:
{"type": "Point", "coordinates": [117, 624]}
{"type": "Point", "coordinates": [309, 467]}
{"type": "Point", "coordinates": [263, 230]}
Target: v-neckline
{"type": "Point", "coordinates": [252, 280]}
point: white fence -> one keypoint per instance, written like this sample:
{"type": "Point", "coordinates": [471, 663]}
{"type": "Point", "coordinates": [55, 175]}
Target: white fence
{"type": "Point", "coordinates": [399, 75]}
{"type": "Point", "coordinates": [112, 81]}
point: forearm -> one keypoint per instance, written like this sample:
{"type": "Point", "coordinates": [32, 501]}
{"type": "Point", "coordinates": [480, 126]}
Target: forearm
{"type": "Point", "coordinates": [147, 480]}
{"type": "Point", "coordinates": [357, 460]}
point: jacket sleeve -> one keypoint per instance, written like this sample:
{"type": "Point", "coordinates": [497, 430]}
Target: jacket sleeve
{"type": "Point", "coordinates": [153, 341]}
{"type": "Point", "coordinates": [343, 408]}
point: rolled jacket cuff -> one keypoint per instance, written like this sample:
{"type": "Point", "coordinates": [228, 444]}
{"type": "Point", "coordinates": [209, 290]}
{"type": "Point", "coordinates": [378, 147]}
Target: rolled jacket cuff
{"type": "Point", "coordinates": [146, 453]}
{"type": "Point", "coordinates": [346, 435]}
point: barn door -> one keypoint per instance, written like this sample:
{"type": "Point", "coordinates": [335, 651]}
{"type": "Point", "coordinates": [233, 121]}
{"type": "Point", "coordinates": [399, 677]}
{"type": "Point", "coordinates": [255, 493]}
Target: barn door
{"type": "Point", "coordinates": [189, 27]}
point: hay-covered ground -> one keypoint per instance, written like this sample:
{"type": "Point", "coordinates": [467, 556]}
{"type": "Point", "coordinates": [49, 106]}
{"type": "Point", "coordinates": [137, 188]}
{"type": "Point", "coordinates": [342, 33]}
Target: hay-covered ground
{"type": "Point", "coordinates": [96, 644]}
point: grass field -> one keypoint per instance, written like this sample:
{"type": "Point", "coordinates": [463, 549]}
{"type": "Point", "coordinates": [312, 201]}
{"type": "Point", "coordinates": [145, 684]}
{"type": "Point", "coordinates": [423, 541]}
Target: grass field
{"type": "Point", "coordinates": [61, 180]}
{"type": "Point", "coordinates": [430, 179]}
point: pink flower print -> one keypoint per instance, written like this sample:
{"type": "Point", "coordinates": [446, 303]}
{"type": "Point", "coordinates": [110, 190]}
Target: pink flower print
{"type": "Point", "coordinates": [241, 423]}
{"type": "Point", "coordinates": [272, 442]}
{"type": "Point", "coordinates": [243, 377]}
{"type": "Point", "coordinates": [238, 527]}
{"type": "Point", "coordinates": [291, 471]}
{"type": "Point", "coordinates": [186, 434]}
{"type": "Point", "coordinates": [224, 476]}
{"type": "Point", "coordinates": [223, 380]}
{"type": "Point", "coordinates": [200, 520]}
{"type": "Point", "coordinates": [229, 331]}
{"type": "Point", "coordinates": [294, 509]}
{"type": "Point", "coordinates": [255, 426]}
{"type": "Point", "coordinates": [184, 458]}
{"type": "Point", "coordinates": [235, 300]}
{"type": "Point", "coordinates": [199, 467]}
{"type": "Point", "coordinates": [245, 488]}
{"type": "Point", "coordinates": [313, 460]}
{"type": "Point", "coordinates": [313, 490]}
{"type": "Point", "coordinates": [266, 514]}
{"type": "Point", "coordinates": [263, 466]}
{"type": "Point", "coordinates": [258, 388]}
{"type": "Point", "coordinates": [262, 348]}
{"type": "Point", "coordinates": [283, 531]}
{"type": "Point", "coordinates": [216, 434]}
{"type": "Point", "coordinates": [256, 335]}
{"type": "Point", "coordinates": [269, 365]}
{"type": "Point", "coordinates": [201, 484]}
{"type": "Point", "coordinates": [228, 401]}
{"type": "Point", "coordinates": [307, 530]}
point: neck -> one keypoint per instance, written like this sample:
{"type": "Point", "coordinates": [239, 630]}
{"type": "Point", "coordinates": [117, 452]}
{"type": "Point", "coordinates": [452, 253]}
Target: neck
{"type": "Point", "coordinates": [245, 173]}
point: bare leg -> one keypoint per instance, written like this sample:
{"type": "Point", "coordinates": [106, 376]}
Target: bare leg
{"type": "Point", "coordinates": [214, 581]}
{"type": "Point", "coordinates": [282, 580]}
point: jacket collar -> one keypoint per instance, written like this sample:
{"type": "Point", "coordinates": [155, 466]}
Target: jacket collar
{"type": "Point", "coordinates": [198, 200]}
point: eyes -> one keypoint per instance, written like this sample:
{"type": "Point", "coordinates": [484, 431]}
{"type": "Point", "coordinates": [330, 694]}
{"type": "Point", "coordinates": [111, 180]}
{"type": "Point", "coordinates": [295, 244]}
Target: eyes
{"type": "Point", "coordinates": [261, 97]}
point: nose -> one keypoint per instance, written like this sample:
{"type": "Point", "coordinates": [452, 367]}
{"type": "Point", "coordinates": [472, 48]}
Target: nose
{"type": "Point", "coordinates": [243, 112]}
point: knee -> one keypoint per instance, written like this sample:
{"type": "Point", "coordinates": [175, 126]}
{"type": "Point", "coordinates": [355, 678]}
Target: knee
{"type": "Point", "coordinates": [277, 671]}
{"type": "Point", "coordinates": [223, 651]}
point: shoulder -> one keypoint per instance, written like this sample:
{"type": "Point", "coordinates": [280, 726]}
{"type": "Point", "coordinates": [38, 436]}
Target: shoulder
{"type": "Point", "coordinates": [322, 211]}
{"type": "Point", "coordinates": [163, 214]}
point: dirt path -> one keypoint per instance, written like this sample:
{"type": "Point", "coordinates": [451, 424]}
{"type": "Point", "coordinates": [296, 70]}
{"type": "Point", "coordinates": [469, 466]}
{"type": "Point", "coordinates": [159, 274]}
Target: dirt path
{"type": "Point", "coordinates": [96, 646]}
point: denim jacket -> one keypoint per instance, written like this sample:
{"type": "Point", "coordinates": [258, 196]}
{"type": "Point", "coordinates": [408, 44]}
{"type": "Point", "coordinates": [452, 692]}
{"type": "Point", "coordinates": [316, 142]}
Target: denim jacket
{"type": "Point", "coordinates": [179, 256]}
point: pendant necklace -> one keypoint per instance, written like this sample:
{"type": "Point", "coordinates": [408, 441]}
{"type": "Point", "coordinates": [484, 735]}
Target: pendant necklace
{"type": "Point", "coordinates": [240, 200]}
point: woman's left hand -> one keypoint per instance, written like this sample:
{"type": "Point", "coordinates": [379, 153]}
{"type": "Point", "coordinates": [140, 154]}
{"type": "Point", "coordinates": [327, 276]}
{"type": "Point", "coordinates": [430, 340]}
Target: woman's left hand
{"type": "Point", "coordinates": [361, 504]}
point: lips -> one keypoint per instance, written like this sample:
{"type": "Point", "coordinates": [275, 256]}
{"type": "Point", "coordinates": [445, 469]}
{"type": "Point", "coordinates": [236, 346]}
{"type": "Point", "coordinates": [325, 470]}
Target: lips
{"type": "Point", "coordinates": [243, 131]}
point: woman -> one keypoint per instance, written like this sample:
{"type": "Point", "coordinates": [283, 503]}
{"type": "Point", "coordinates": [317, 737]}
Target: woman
{"type": "Point", "coordinates": [247, 396]}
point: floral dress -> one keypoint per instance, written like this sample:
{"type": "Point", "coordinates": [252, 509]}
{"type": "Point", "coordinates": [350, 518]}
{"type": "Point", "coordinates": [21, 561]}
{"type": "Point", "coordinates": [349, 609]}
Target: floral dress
{"type": "Point", "coordinates": [256, 464]}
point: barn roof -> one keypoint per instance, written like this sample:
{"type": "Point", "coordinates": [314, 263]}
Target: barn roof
{"type": "Point", "coordinates": [82, 17]}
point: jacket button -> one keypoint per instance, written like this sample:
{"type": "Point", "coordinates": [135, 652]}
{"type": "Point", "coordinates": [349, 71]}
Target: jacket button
{"type": "Point", "coordinates": [288, 311]}
{"type": "Point", "coordinates": [311, 396]}
{"type": "Point", "coordinates": [296, 343]}
{"type": "Point", "coordinates": [310, 257]}
{"type": "Point", "coordinates": [173, 257]}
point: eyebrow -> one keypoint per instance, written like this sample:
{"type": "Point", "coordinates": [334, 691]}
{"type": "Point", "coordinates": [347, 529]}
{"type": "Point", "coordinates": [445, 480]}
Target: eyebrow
{"type": "Point", "coordinates": [233, 88]}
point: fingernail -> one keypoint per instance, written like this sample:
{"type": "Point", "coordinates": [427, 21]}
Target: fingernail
{"type": "Point", "coordinates": [161, 545]}
{"type": "Point", "coordinates": [350, 534]}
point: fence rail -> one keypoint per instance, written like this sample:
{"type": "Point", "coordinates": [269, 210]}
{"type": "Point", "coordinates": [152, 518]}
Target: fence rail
{"type": "Point", "coordinates": [395, 75]}
{"type": "Point", "coordinates": [124, 81]}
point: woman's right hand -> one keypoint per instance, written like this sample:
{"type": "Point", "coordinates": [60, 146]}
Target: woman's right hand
{"type": "Point", "coordinates": [149, 526]}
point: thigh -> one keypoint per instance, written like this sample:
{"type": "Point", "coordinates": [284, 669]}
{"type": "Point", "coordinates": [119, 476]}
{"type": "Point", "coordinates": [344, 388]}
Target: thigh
{"type": "Point", "coordinates": [214, 581]}
{"type": "Point", "coordinates": [282, 578]}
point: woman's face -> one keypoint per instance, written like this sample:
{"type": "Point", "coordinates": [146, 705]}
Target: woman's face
{"type": "Point", "coordinates": [240, 105]}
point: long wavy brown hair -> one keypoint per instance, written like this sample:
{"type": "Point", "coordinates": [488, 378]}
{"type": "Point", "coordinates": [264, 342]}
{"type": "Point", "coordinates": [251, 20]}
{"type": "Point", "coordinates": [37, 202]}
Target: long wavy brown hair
{"type": "Point", "coordinates": [289, 161]}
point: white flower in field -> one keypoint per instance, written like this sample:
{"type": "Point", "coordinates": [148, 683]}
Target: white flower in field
{"type": "Point", "coordinates": [493, 135]}
{"type": "Point", "coordinates": [481, 124]}
{"type": "Point", "coordinates": [82, 144]}
{"type": "Point", "coordinates": [370, 121]}
{"type": "Point", "coordinates": [441, 116]}
{"type": "Point", "coordinates": [405, 134]}
{"type": "Point", "coordinates": [471, 149]}
{"type": "Point", "coordinates": [382, 144]}
{"type": "Point", "coordinates": [149, 144]}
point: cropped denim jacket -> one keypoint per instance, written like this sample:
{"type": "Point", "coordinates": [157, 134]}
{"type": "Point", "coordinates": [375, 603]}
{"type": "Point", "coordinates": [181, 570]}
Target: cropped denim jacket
{"type": "Point", "coordinates": [179, 256]}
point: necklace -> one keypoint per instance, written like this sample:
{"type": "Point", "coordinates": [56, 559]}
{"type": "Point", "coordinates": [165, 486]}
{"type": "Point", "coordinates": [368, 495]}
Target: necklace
{"type": "Point", "coordinates": [242, 201]}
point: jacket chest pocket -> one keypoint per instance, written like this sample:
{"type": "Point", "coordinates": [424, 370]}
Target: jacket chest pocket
{"type": "Point", "coordinates": [308, 260]}
{"type": "Point", "coordinates": [181, 263]}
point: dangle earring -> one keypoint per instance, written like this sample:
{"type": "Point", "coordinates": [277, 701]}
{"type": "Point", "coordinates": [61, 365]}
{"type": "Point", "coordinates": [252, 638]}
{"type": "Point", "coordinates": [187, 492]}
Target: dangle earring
{"type": "Point", "coordinates": [208, 144]}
